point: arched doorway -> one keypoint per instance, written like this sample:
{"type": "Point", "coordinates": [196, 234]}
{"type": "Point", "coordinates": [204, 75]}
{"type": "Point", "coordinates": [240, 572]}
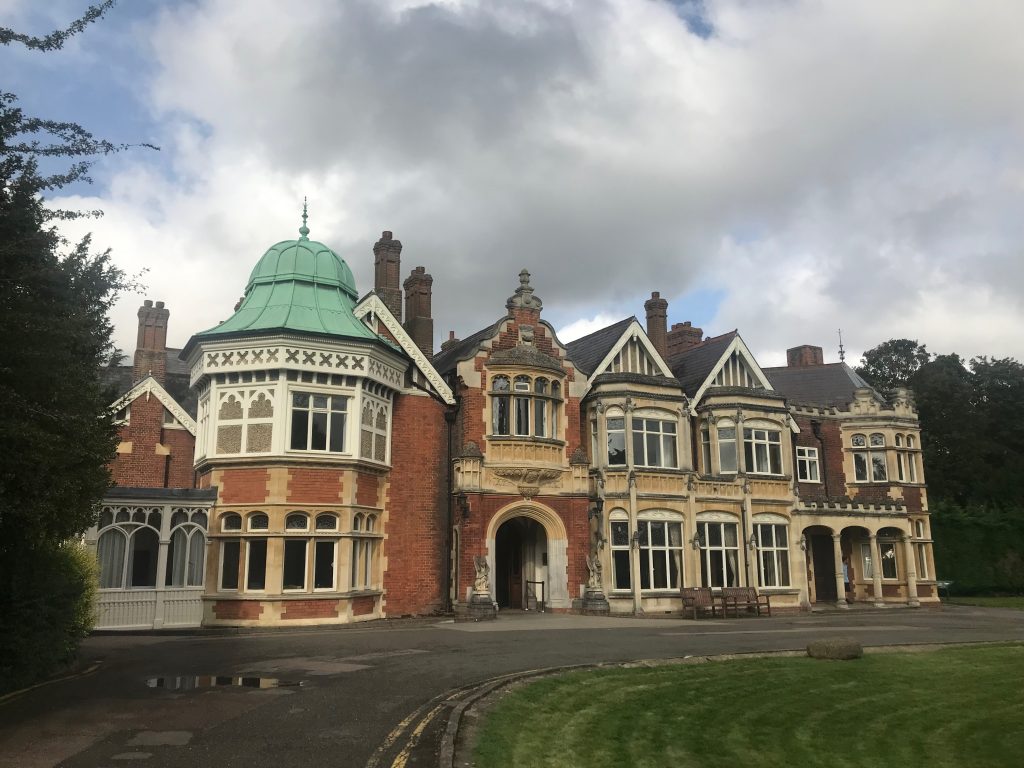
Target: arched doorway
{"type": "Point", "coordinates": [521, 564]}
{"type": "Point", "coordinates": [821, 564]}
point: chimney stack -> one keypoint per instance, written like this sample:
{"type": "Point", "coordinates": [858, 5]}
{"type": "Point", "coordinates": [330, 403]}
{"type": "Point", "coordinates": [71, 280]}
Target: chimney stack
{"type": "Point", "coordinates": [804, 356]}
{"type": "Point", "coordinates": [682, 337]}
{"type": "Point", "coordinates": [657, 319]}
{"type": "Point", "coordinates": [387, 259]}
{"type": "Point", "coordinates": [450, 342]}
{"type": "Point", "coordinates": [151, 346]}
{"type": "Point", "coordinates": [418, 322]}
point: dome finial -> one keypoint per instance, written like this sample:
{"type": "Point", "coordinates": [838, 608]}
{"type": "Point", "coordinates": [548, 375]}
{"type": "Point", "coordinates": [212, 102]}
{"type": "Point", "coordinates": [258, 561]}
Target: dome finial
{"type": "Point", "coordinates": [304, 230]}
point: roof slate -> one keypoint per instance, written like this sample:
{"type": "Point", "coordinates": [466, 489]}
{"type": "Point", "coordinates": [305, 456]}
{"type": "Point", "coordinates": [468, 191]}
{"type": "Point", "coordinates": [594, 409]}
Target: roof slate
{"type": "Point", "coordinates": [445, 361]}
{"type": "Point", "coordinates": [693, 366]}
{"type": "Point", "coordinates": [831, 384]}
{"type": "Point", "coordinates": [588, 351]}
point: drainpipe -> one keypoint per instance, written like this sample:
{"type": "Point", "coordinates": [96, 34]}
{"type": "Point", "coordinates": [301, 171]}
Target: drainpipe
{"type": "Point", "coordinates": [450, 415]}
{"type": "Point", "coordinates": [816, 429]}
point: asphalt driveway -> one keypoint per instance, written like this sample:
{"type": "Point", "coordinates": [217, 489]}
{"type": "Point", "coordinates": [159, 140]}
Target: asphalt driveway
{"type": "Point", "coordinates": [346, 696]}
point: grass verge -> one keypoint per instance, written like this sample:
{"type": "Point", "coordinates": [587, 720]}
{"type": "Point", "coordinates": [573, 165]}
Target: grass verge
{"type": "Point", "coordinates": [989, 602]}
{"type": "Point", "coordinates": [951, 707]}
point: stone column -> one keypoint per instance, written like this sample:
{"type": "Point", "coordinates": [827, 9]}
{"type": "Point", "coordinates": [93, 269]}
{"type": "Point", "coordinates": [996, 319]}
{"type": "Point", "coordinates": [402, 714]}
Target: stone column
{"type": "Point", "coordinates": [876, 570]}
{"type": "Point", "coordinates": [837, 555]}
{"type": "Point", "coordinates": [908, 555]}
{"type": "Point", "coordinates": [634, 550]}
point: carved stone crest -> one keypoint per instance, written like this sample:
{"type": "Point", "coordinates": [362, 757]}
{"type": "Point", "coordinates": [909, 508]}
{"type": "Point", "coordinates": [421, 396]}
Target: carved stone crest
{"type": "Point", "coordinates": [529, 480]}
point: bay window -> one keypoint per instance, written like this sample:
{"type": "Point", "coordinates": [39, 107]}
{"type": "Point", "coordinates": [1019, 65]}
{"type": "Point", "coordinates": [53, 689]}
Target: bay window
{"type": "Point", "coordinates": [525, 407]}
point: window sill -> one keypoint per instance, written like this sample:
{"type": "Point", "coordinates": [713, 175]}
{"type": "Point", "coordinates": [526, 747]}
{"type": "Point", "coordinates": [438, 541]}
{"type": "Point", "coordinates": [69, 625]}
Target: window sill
{"type": "Point", "coordinates": [524, 439]}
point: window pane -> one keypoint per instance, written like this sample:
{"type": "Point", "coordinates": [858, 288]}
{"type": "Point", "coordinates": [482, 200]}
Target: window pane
{"type": "Point", "coordinates": [620, 534]}
{"type": "Point", "coordinates": [296, 522]}
{"type": "Point", "coordinates": [645, 568]}
{"type": "Point", "coordinates": [500, 416]}
{"type": "Point", "coordinates": [675, 534]}
{"type": "Point", "coordinates": [300, 400]}
{"type": "Point", "coordinates": [620, 564]}
{"type": "Point", "coordinates": [727, 457]}
{"type": "Point", "coordinates": [657, 534]}
{"type": "Point", "coordinates": [768, 575]}
{"type": "Point", "coordinates": [760, 458]}
{"type": "Point", "coordinates": [320, 401]}
{"type": "Point", "coordinates": [294, 571]}
{"type": "Point", "coordinates": [653, 450]}
{"type": "Point", "coordinates": [616, 447]}
{"type": "Point", "coordinates": [730, 534]}
{"type": "Point", "coordinates": [300, 428]}
{"type": "Point", "coordinates": [888, 550]}
{"type": "Point", "coordinates": [339, 403]}
{"type": "Point", "coordinates": [230, 551]}
{"type": "Point", "coordinates": [177, 559]}
{"type": "Point", "coordinates": [337, 432]}
{"type": "Point", "coordinates": [714, 534]}
{"type": "Point", "coordinates": [522, 415]}
{"type": "Point", "coordinates": [499, 384]}
{"type": "Point", "coordinates": [143, 547]}
{"type": "Point", "coordinates": [860, 466]}
{"type": "Point", "coordinates": [318, 437]}
{"type": "Point", "coordinates": [878, 467]}
{"type": "Point", "coordinates": [775, 458]}
{"type": "Point", "coordinates": [660, 563]}
{"type": "Point", "coordinates": [540, 409]}
{"type": "Point", "coordinates": [323, 564]}
{"type": "Point", "coordinates": [638, 449]}
{"type": "Point", "coordinates": [196, 571]}
{"type": "Point", "coordinates": [110, 552]}
{"type": "Point", "coordinates": [256, 576]}
{"type": "Point", "coordinates": [669, 443]}
{"type": "Point", "coordinates": [327, 523]}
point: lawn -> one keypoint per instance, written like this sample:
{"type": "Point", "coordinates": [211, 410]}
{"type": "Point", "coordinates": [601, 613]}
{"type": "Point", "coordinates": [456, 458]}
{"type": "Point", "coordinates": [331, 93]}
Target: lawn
{"type": "Point", "coordinates": [959, 707]}
{"type": "Point", "coordinates": [989, 602]}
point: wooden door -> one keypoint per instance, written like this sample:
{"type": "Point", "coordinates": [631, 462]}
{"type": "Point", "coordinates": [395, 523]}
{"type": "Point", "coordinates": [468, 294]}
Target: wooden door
{"type": "Point", "coordinates": [824, 569]}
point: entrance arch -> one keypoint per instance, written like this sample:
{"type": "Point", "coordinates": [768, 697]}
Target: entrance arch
{"type": "Point", "coordinates": [527, 542]}
{"type": "Point", "coordinates": [822, 564]}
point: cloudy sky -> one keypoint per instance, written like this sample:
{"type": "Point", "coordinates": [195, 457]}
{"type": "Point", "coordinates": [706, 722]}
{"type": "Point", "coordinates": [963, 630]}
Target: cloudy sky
{"type": "Point", "coordinates": [785, 167]}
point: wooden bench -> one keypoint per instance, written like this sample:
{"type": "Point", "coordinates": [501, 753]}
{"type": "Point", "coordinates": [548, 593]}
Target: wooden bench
{"type": "Point", "coordinates": [745, 597]}
{"type": "Point", "coordinates": [698, 599]}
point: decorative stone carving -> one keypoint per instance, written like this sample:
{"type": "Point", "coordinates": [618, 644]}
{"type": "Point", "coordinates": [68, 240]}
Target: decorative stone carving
{"type": "Point", "coordinates": [594, 582]}
{"type": "Point", "coordinates": [482, 583]}
{"type": "Point", "coordinates": [471, 451]}
{"type": "Point", "coordinates": [529, 480]}
{"type": "Point", "coordinates": [579, 456]}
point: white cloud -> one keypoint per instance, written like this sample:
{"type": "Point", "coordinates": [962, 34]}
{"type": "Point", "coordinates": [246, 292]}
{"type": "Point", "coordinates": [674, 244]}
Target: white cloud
{"type": "Point", "coordinates": [824, 164]}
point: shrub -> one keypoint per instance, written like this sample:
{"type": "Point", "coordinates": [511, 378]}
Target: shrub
{"type": "Point", "coordinates": [48, 604]}
{"type": "Point", "coordinates": [835, 648]}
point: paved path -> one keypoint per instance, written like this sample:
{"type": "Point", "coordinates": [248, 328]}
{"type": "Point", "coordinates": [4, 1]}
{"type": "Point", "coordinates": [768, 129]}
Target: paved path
{"type": "Point", "coordinates": [375, 684]}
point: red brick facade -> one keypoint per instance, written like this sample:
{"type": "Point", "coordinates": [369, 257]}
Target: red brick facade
{"type": "Point", "coordinates": [417, 507]}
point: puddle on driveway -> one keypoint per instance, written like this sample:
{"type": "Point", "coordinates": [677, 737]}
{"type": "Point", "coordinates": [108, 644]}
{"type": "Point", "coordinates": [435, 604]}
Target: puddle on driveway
{"type": "Point", "coordinates": [193, 682]}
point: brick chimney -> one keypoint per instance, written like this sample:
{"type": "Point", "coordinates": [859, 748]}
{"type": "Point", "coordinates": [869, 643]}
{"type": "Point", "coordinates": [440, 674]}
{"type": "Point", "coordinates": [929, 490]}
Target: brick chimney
{"type": "Point", "coordinates": [418, 322]}
{"type": "Point", "coordinates": [682, 336]}
{"type": "Point", "coordinates": [657, 319]}
{"type": "Point", "coordinates": [387, 259]}
{"type": "Point", "coordinates": [450, 342]}
{"type": "Point", "coordinates": [804, 356]}
{"type": "Point", "coordinates": [151, 346]}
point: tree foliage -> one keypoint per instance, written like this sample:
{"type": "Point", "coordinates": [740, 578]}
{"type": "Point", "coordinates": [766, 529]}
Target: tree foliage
{"type": "Point", "coordinates": [892, 363]}
{"type": "Point", "coordinates": [55, 428]}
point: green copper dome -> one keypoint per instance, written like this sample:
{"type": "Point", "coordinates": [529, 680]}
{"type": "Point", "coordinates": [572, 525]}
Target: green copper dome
{"type": "Point", "coordinates": [299, 285]}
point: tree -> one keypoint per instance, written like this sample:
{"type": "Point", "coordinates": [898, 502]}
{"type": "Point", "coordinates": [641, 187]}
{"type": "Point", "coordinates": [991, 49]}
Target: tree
{"type": "Point", "coordinates": [892, 363]}
{"type": "Point", "coordinates": [57, 434]}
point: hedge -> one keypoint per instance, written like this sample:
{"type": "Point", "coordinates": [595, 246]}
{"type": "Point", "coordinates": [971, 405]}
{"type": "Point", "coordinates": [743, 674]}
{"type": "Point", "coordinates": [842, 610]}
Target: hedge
{"type": "Point", "coordinates": [47, 605]}
{"type": "Point", "coordinates": [979, 549]}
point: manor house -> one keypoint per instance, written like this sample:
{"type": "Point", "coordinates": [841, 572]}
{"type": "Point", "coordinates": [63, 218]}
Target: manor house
{"type": "Point", "coordinates": [313, 460]}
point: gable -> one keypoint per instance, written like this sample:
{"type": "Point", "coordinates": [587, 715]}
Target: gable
{"type": "Point", "coordinates": [372, 308]}
{"type": "Point", "coordinates": [150, 387]}
{"type": "Point", "coordinates": [736, 367]}
{"type": "Point", "coordinates": [633, 353]}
